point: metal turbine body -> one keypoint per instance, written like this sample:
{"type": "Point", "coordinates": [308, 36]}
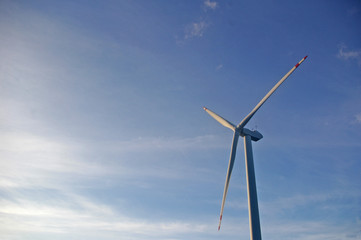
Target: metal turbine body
{"type": "Point", "coordinates": [249, 136]}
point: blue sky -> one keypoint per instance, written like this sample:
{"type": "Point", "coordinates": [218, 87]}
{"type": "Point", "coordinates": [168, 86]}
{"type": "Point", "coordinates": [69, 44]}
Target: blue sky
{"type": "Point", "coordinates": [103, 135]}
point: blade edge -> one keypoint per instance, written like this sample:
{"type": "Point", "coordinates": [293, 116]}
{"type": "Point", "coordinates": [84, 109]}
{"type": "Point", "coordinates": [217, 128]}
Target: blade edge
{"type": "Point", "coordinates": [229, 173]}
{"type": "Point", "coordinates": [264, 99]}
{"type": "Point", "coordinates": [220, 119]}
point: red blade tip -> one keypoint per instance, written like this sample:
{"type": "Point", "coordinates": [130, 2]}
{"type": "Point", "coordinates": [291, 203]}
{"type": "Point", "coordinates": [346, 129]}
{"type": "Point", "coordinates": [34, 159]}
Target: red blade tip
{"type": "Point", "coordinates": [220, 220]}
{"type": "Point", "coordinates": [204, 108]}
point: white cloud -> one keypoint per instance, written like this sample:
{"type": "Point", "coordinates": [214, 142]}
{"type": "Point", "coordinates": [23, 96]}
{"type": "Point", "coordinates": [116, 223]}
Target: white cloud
{"type": "Point", "coordinates": [164, 144]}
{"type": "Point", "coordinates": [309, 230]}
{"type": "Point", "coordinates": [210, 4]}
{"type": "Point", "coordinates": [33, 161]}
{"type": "Point", "coordinates": [353, 11]}
{"type": "Point", "coordinates": [195, 29]}
{"type": "Point", "coordinates": [81, 216]}
{"type": "Point", "coordinates": [349, 55]}
{"type": "Point", "coordinates": [219, 67]}
{"type": "Point", "coordinates": [358, 118]}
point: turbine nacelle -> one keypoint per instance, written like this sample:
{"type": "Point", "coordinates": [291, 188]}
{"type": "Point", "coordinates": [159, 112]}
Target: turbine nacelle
{"type": "Point", "coordinates": [255, 135]}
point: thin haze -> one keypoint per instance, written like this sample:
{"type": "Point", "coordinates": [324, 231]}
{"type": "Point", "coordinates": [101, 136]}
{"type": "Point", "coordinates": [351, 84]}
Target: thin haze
{"type": "Point", "coordinates": [103, 135]}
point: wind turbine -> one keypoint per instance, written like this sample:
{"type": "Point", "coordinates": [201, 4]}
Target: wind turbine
{"type": "Point", "coordinates": [249, 136]}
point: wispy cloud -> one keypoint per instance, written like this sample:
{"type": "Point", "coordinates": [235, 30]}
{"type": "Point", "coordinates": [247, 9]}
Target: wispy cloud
{"type": "Point", "coordinates": [78, 214]}
{"type": "Point", "coordinates": [353, 11]}
{"type": "Point", "coordinates": [34, 161]}
{"type": "Point", "coordinates": [349, 55]}
{"type": "Point", "coordinates": [310, 230]}
{"type": "Point", "coordinates": [164, 144]}
{"type": "Point", "coordinates": [358, 118]}
{"type": "Point", "coordinates": [219, 67]}
{"type": "Point", "coordinates": [210, 4]}
{"type": "Point", "coordinates": [195, 29]}
{"type": "Point", "coordinates": [31, 166]}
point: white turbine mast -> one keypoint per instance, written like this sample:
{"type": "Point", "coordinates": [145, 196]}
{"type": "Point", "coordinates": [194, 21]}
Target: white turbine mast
{"type": "Point", "coordinates": [249, 136]}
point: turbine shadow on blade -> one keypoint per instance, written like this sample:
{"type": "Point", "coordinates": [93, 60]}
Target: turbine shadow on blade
{"type": "Point", "coordinates": [249, 136]}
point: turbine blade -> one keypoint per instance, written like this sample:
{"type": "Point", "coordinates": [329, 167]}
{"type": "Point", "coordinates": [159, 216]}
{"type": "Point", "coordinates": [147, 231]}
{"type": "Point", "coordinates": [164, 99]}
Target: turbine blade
{"type": "Point", "coordinates": [229, 173]}
{"type": "Point", "coordinates": [250, 115]}
{"type": "Point", "coordinates": [221, 120]}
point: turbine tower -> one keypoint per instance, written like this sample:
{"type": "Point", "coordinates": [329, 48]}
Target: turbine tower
{"type": "Point", "coordinates": [249, 136]}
